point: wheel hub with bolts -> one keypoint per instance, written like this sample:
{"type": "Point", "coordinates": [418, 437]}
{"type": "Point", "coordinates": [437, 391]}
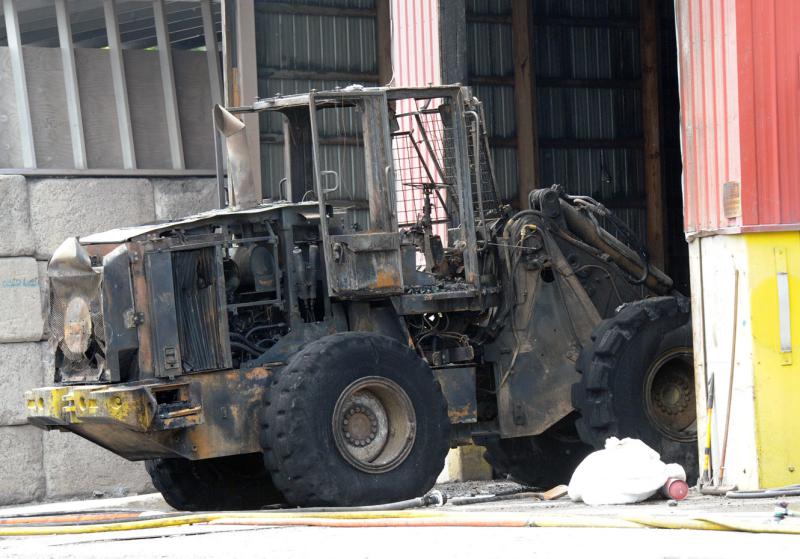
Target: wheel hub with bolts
{"type": "Point", "coordinates": [360, 425]}
{"type": "Point", "coordinates": [374, 424]}
{"type": "Point", "coordinates": [669, 394]}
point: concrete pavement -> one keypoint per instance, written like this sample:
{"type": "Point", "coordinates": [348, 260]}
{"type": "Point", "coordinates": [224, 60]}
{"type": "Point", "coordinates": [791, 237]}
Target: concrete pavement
{"type": "Point", "coordinates": [199, 541]}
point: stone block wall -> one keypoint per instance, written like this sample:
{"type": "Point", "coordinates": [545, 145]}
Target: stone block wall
{"type": "Point", "coordinates": [37, 214]}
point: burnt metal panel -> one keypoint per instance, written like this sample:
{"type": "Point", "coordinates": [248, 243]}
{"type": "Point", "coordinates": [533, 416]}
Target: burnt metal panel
{"type": "Point", "coordinates": [119, 317]}
{"type": "Point", "coordinates": [149, 420]}
{"type": "Point", "coordinates": [166, 343]}
{"type": "Point", "coordinates": [365, 264]}
{"type": "Point", "coordinates": [458, 387]}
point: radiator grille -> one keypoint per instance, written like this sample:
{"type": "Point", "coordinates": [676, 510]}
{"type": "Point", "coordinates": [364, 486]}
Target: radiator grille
{"type": "Point", "coordinates": [198, 309]}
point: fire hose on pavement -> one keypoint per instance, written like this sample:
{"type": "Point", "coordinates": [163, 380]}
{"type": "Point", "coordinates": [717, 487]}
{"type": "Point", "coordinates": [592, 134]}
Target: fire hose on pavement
{"type": "Point", "coordinates": [389, 515]}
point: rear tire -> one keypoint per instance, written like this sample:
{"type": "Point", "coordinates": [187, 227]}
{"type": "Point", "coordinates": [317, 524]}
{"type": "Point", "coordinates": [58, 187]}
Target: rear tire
{"type": "Point", "coordinates": [638, 381]}
{"type": "Point", "coordinates": [542, 461]}
{"type": "Point", "coordinates": [227, 483]}
{"type": "Point", "coordinates": [354, 419]}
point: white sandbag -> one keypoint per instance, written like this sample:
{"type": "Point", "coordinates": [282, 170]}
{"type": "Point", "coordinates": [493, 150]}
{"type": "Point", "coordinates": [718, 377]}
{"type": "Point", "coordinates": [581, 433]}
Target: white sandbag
{"type": "Point", "coordinates": [626, 471]}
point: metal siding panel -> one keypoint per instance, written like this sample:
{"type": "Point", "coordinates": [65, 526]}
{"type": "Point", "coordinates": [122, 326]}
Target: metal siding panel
{"type": "Point", "coordinates": [744, 47]}
{"type": "Point", "coordinates": [490, 54]}
{"type": "Point", "coordinates": [776, 47]}
{"type": "Point", "coordinates": [766, 108]}
{"type": "Point", "coordinates": [788, 95]}
{"type": "Point", "coordinates": [718, 101]}
{"type": "Point", "coordinates": [739, 105]}
{"type": "Point", "coordinates": [686, 79]}
{"type": "Point", "coordinates": [695, 23]}
{"type": "Point", "coordinates": [415, 42]}
{"type": "Point", "coordinates": [315, 43]}
{"type": "Point", "coordinates": [590, 50]}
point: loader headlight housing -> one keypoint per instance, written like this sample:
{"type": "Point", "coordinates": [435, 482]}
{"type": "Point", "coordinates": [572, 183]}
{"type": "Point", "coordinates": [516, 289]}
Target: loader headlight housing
{"type": "Point", "coordinates": [77, 325]}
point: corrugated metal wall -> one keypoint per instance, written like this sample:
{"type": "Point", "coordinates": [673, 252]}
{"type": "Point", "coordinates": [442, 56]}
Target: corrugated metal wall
{"type": "Point", "coordinates": [769, 101]}
{"type": "Point", "coordinates": [740, 97]}
{"type": "Point", "coordinates": [316, 44]}
{"type": "Point", "coordinates": [415, 43]}
{"type": "Point", "coordinates": [490, 67]}
{"type": "Point", "coordinates": [708, 66]}
{"type": "Point", "coordinates": [588, 93]}
{"type": "Point", "coordinates": [589, 106]}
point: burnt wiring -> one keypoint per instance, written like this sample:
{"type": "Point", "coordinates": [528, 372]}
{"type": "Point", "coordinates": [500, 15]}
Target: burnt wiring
{"type": "Point", "coordinates": [432, 332]}
{"type": "Point", "coordinates": [512, 274]}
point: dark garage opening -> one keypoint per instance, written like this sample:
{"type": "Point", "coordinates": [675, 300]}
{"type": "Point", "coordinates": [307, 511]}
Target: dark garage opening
{"type": "Point", "coordinates": [606, 122]}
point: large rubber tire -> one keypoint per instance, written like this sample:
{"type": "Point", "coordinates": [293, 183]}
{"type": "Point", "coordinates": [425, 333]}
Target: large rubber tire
{"type": "Point", "coordinates": [614, 396]}
{"type": "Point", "coordinates": [542, 461]}
{"type": "Point", "coordinates": [298, 437]}
{"type": "Point", "coordinates": [227, 483]}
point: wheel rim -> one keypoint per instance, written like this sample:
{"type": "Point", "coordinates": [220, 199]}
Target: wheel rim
{"type": "Point", "coordinates": [669, 395]}
{"type": "Point", "coordinates": [374, 425]}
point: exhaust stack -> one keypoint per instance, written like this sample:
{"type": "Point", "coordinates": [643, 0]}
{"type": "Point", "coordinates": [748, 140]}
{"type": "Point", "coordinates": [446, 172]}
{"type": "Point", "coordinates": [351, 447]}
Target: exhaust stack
{"type": "Point", "coordinates": [241, 187]}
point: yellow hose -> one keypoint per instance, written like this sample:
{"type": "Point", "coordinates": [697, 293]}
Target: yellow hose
{"type": "Point", "coordinates": [427, 518]}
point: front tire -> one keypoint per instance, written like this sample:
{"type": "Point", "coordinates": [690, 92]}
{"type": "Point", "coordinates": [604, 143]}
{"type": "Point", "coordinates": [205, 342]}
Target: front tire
{"type": "Point", "coordinates": [638, 381]}
{"type": "Point", "coordinates": [354, 419]}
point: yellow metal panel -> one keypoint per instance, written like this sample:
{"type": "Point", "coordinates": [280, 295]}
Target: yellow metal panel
{"type": "Point", "coordinates": [776, 376]}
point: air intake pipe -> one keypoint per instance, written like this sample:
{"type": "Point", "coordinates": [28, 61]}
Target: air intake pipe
{"type": "Point", "coordinates": [242, 192]}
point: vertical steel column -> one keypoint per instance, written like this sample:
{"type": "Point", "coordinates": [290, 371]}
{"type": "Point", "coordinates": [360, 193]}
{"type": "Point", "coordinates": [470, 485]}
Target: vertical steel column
{"type": "Point", "coordinates": [228, 38]}
{"type": "Point", "coordinates": [383, 40]}
{"type": "Point", "coordinates": [648, 38]}
{"type": "Point", "coordinates": [212, 52]}
{"type": "Point", "coordinates": [20, 84]}
{"type": "Point", "coordinates": [453, 41]}
{"type": "Point", "coordinates": [71, 84]}
{"type": "Point", "coordinates": [246, 77]}
{"type": "Point", "coordinates": [215, 83]}
{"type": "Point", "coordinates": [525, 100]}
{"type": "Point", "coordinates": [120, 86]}
{"type": "Point", "coordinates": [464, 182]}
{"type": "Point", "coordinates": [168, 85]}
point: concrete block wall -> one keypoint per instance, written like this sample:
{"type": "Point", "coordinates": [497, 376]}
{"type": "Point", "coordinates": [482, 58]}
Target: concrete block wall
{"type": "Point", "coordinates": [37, 214]}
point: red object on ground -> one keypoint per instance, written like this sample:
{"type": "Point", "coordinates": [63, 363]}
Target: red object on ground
{"type": "Point", "coordinates": [675, 489]}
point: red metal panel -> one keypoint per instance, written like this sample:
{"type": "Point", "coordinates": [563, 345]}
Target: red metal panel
{"type": "Point", "coordinates": [709, 110]}
{"type": "Point", "coordinates": [772, 41]}
{"type": "Point", "coordinates": [415, 62]}
{"type": "Point", "coordinates": [740, 110]}
{"type": "Point", "coordinates": [415, 43]}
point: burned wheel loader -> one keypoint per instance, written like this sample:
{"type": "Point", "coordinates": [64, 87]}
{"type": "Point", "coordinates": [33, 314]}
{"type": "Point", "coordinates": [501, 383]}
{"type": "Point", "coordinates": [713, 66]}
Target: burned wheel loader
{"type": "Point", "coordinates": [313, 349]}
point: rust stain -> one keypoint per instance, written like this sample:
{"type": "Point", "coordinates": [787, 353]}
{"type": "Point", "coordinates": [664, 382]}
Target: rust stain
{"type": "Point", "coordinates": [387, 279]}
{"type": "Point", "coordinates": [257, 373]}
{"type": "Point", "coordinates": [459, 415]}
